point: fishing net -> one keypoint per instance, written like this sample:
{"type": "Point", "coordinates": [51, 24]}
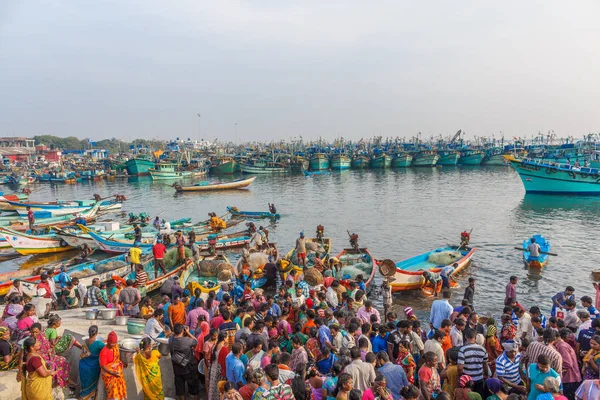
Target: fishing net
{"type": "Point", "coordinates": [109, 266]}
{"type": "Point", "coordinates": [444, 257]}
{"type": "Point", "coordinates": [225, 275]}
{"type": "Point", "coordinates": [171, 257]}
{"type": "Point", "coordinates": [257, 261]}
{"type": "Point", "coordinates": [355, 269]}
{"type": "Point", "coordinates": [313, 277]}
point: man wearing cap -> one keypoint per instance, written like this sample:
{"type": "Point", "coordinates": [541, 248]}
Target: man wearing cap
{"type": "Point", "coordinates": [301, 249]}
{"type": "Point", "coordinates": [63, 278]}
{"type": "Point", "coordinates": [135, 254]}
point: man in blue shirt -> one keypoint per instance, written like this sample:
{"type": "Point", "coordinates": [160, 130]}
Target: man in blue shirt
{"type": "Point", "coordinates": [274, 309]}
{"type": "Point", "coordinates": [380, 341]}
{"type": "Point", "coordinates": [234, 366]}
{"type": "Point", "coordinates": [587, 302]}
{"type": "Point", "coordinates": [63, 278]}
{"type": "Point", "coordinates": [394, 374]}
{"type": "Point", "coordinates": [440, 310]}
{"type": "Point", "coordinates": [324, 334]}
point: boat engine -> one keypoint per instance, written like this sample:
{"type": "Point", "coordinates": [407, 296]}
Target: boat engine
{"type": "Point", "coordinates": [320, 232]}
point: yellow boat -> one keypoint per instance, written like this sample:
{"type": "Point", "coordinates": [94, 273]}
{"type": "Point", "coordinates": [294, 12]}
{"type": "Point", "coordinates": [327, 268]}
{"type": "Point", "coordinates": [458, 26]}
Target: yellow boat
{"type": "Point", "coordinates": [208, 186]}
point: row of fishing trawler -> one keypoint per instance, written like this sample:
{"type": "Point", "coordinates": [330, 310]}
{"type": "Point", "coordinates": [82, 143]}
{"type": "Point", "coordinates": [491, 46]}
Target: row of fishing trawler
{"type": "Point", "coordinates": [175, 163]}
{"type": "Point", "coordinates": [198, 254]}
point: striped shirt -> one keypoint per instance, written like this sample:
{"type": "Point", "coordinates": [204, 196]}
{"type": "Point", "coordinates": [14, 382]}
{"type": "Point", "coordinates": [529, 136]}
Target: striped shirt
{"type": "Point", "coordinates": [471, 357]}
{"type": "Point", "coordinates": [536, 349]}
{"type": "Point", "coordinates": [141, 277]}
{"type": "Point", "coordinates": [507, 369]}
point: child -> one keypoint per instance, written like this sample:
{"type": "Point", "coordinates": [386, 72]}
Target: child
{"type": "Point", "coordinates": [464, 392]}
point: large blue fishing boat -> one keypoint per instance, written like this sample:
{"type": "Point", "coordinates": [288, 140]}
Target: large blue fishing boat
{"type": "Point", "coordinates": [340, 162]}
{"type": "Point", "coordinates": [427, 158]}
{"type": "Point", "coordinates": [319, 161]}
{"type": "Point", "coordinates": [401, 160]}
{"type": "Point", "coordinates": [471, 157]}
{"type": "Point", "coordinates": [448, 157]}
{"type": "Point", "coordinates": [538, 177]}
{"type": "Point", "coordinates": [360, 161]}
{"type": "Point", "coordinates": [381, 161]}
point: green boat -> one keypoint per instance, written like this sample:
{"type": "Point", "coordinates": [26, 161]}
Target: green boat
{"type": "Point", "coordinates": [139, 166]}
{"type": "Point", "coordinates": [168, 171]}
{"type": "Point", "coordinates": [224, 166]}
{"type": "Point", "coordinates": [381, 161]}
{"type": "Point", "coordinates": [448, 157]}
{"type": "Point", "coordinates": [427, 158]}
{"type": "Point", "coordinates": [360, 161]}
{"type": "Point", "coordinates": [319, 162]}
{"type": "Point", "coordinates": [340, 162]}
{"type": "Point", "coordinates": [471, 157]}
{"type": "Point", "coordinates": [401, 160]}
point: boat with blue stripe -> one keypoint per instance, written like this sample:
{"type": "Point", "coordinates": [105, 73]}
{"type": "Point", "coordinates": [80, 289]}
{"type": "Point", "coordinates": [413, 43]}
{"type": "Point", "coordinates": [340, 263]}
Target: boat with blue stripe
{"type": "Point", "coordinates": [235, 212]}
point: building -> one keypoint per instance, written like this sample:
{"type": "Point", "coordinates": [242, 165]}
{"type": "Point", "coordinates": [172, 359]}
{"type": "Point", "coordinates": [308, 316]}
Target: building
{"type": "Point", "coordinates": [17, 148]}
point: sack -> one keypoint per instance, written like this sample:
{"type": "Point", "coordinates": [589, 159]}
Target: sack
{"type": "Point", "coordinates": [180, 359]}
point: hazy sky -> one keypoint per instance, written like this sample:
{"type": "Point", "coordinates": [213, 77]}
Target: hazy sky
{"type": "Point", "coordinates": [127, 69]}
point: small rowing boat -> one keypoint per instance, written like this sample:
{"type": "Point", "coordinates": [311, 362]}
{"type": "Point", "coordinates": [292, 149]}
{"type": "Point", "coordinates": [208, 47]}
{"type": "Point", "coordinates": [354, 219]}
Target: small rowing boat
{"type": "Point", "coordinates": [356, 262]}
{"type": "Point", "coordinates": [540, 261]}
{"type": "Point", "coordinates": [409, 272]}
{"type": "Point", "coordinates": [26, 244]}
{"type": "Point", "coordinates": [235, 212]}
{"type": "Point", "coordinates": [210, 186]}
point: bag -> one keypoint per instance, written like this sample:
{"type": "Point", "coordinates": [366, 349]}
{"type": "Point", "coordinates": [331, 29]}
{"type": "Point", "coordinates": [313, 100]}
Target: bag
{"type": "Point", "coordinates": [180, 359]}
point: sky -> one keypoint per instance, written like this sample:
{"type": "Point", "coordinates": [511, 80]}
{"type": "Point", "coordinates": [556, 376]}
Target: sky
{"type": "Point", "coordinates": [275, 69]}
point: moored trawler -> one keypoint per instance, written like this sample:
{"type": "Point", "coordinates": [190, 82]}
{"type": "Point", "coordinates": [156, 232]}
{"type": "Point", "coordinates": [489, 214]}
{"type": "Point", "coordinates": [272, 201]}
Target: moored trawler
{"type": "Point", "coordinates": [427, 158]}
{"type": "Point", "coordinates": [340, 162]}
{"type": "Point", "coordinates": [319, 161]}
{"type": "Point", "coordinates": [360, 161]}
{"type": "Point", "coordinates": [401, 160]}
{"type": "Point", "coordinates": [224, 166]}
{"type": "Point", "coordinates": [168, 171]}
{"type": "Point", "coordinates": [139, 166]}
{"type": "Point", "coordinates": [471, 157]}
{"type": "Point", "coordinates": [381, 161]}
{"type": "Point", "coordinates": [538, 177]}
{"type": "Point", "coordinates": [448, 157]}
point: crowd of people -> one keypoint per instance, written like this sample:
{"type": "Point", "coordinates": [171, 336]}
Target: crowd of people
{"type": "Point", "coordinates": [320, 343]}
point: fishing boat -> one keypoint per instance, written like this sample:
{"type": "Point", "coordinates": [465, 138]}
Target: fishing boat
{"type": "Point", "coordinates": [494, 156]}
{"type": "Point", "coordinates": [448, 157]}
{"type": "Point", "coordinates": [381, 161]}
{"type": "Point", "coordinates": [60, 208]}
{"type": "Point", "coordinates": [319, 162]}
{"type": "Point", "coordinates": [26, 244]}
{"type": "Point", "coordinates": [360, 161]}
{"type": "Point", "coordinates": [540, 261]}
{"type": "Point", "coordinates": [257, 166]}
{"type": "Point", "coordinates": [401, 160]}
{"type": "Point", "coordinates": [21, 223]}
{"type": "Point", "coordinates": [298, 163]}
{"type": "Point", "coordinates": [224, 166]}
{"type": "Point", "coordinates": [213, 242]}
{"type": "Point", "coordinates": [545, 178]}
{"type": "Point", "coordinates": [235, 212]}
{"type": "Point", "coordinates": [192, 279]}
{"type": "Point", "coordinates": [471, 157]}
{"type": "Point", "coordinates": [426, 158]}
{"type": "Point", "coordinates": [409, 272]}
{"type": "Point", "coordinates": [340, 162]}
{"type": "Point", "coordinates": [211, 186]}
{"type": "Point", "coordinates": [354, 262]}
{"type": "Point", "coordinates": [168, 171]}
{"type": "Point", "coordinates": [311, 256]}
{"type": "Point", "coordinates": [139, 166]}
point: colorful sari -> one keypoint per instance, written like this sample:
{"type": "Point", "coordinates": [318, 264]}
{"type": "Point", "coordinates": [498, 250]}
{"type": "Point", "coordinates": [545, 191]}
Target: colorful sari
{"type": "Point", "coordinates": [588, 372]}
{"type": "Point", "coordinates": [116, 388]}
{"type": "Point", "coordinates": [14, 362]}
{"type": "Point", "coordinates": [37, 387]}
{"type": "Point", "coordinates": [89, 369]}
{"type": "Point", "coordinates": [54, 362]}
{"type": "Point", "coordinates": [406, 360]}
{"type": "Point", "coordinates": [148, 372]}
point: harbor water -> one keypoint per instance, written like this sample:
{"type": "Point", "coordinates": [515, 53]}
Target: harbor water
{"type": "Point", "coordinates": [397, 214]}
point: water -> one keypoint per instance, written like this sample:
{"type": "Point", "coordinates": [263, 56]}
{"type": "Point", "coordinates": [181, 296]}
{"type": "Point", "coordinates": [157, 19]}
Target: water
{"type": "Point", "coordinates": [398, 214]}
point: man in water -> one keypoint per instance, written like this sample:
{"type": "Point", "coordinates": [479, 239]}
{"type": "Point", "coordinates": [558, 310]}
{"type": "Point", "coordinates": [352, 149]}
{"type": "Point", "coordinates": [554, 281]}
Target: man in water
{"type": "Point", "coordinates": [446, 275]}
{"type": "Point", "coordinates": [511, 291]}
{"type": "Point", "coordinates": [533, 248]}
{"type": "Point", "coordinates": [301, 249]}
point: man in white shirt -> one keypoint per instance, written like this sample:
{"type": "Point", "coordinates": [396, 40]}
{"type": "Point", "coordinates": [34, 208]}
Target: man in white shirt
{"type": "Point", "coordinates": [525, 328]}
{"type": "Point", "coordinates": [362, 373]}
{"type": "Point", "coordinates": [534, 248]}
{"type": "Point", "coordinates": [154, 327]}
{"type": "Point", "coordinates": [456, 333]}
{"type": "Point", "coordinates": [434, 345]}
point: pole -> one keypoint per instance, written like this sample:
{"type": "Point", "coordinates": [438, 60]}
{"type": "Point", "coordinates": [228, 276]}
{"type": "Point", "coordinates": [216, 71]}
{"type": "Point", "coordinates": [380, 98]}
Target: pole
{"type": "Point", "coordinates": [199, 128]}
{"type": "Point", "coordinates": [236, 133]}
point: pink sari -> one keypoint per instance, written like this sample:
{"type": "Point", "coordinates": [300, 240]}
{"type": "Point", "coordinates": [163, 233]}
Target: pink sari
{"type": "Point", "coordinates": [54, 362]}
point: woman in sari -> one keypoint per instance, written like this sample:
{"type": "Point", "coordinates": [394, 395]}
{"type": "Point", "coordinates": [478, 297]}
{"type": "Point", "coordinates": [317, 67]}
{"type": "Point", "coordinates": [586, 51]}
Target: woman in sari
{"type": "Point", "coordinates": [112, 369]}
{"type": "Point", "coordinates": [330, 382]}
{"type": "Point", "coordinates": [591, 361]}
{"type": "Point", "coordinates": [217, 366]}
{"type": "Point", "coordinates": [406, 360]}
{"type": "Point", "coordinates": [53, 361]}
{"type": "Point", "coordinates": [148, 371]}
{"type": "Point", "coordinates": [14, 308]}
{"type": "Point", "coordinates": [207, 349]}
{"type": "Point", "coordinates": [492, 344]}
{"type": "Point", "coordinates": [25, 321]}
{"type": "Point", "coordinates": [60, 343]}
{"type": "Point", "coordinates": [9, 354]}
{"type": "Point", "coordinates": [36, 383]}
{"type": "Point", "coordinates": [313, 346]}
{"type": "Point", "coordinates": [89, 364]}
{"type": "Point", "coordinates": [204, 330]}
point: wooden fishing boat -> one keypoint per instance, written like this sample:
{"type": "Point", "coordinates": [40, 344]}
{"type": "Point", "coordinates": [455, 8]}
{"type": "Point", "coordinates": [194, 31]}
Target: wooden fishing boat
{"type": "Point", "coordinates": [536, 262]}
{"type": "Point", "coordinates": [114, 246]}
{"type": "Point", "coordinates": [319, 162]}
{"type": "Point", "coordinates": [209, 186]}
{"type": "Point", "coordinates": [168, 171]}
{"type": "Point", "coordinates": [191, 280]}
{"type": "Point", "coordinates": [292, 257]}
{"type": "Point", "coordinates": [252, 214]}
{"type": "Point", "coordinates": [356, 262]}
{"type": "Point", "coordinates": [409, 272]}
{"type": "Point", "coordinates": [21, 224]}
{"type": "Point", "coordinates": [56, 209]}
{"type": "Point", "coordinates": [26, 244]}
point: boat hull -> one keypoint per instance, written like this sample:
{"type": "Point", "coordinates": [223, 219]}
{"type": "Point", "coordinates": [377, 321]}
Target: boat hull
{"type": "Point", "coordinates": [226, 168]}
{"type": "Point", "coordinates": [409, 277]}
{"type": "Point", "coordinates": [449, 159]}
{"type": "Point", "coordinates": [29, 244]}
{"type": "Point", "coordinates": [402, 161]}
{"type": "Point", "coordinates": [252, 214]}
{"type": "Point", "coordinates": [381, 162]}
{"type": "Point", "coordinates": [238, 184]}
{"type": "Point", "coordinates": [340, 163]}
{"type": "Point", "coordinates": [319, 162]}
{"type": "Point", "coordinates": [139, 167]}
{"type": "Point", "coordinates": [164, 175]}
{"type": "Point", "coordinates": [546, 179]}
{"type": "Point", "coordinates": [496, 159]}
{"type": "Point", "coordinates": [251, 169]}
{"type": "Point", "coordinates": [471, 159]}
{"type": "Point", "coordinates": [425, 160]}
